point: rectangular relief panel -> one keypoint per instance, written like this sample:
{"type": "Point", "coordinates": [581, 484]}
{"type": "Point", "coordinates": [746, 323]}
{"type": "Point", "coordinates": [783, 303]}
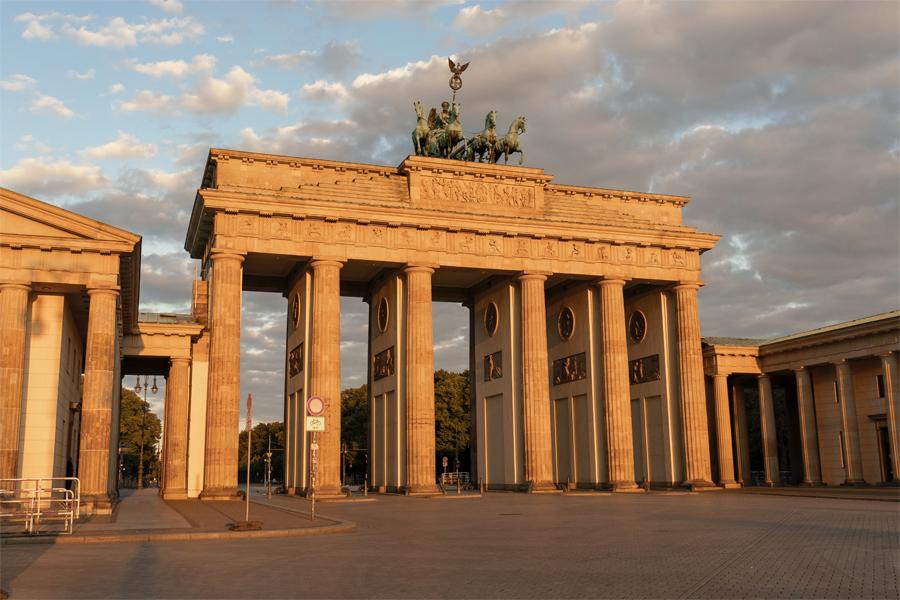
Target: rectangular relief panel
{"type": "Point", "coordinates": [295, 360]}
{"type": "Point", "coordinates": [383, 364]}
{"type": "Point", "coordinates": [569, 369]}
{"type": "Point", "coordinates": [493, 366]}
{"type": "Point", "coordinates": [642, 370]}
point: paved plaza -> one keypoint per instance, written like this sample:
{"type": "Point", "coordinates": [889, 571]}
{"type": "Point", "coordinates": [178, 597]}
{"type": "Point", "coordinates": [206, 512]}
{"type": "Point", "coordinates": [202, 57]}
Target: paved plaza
{"type": "Point", "coordinates": [507, 545]}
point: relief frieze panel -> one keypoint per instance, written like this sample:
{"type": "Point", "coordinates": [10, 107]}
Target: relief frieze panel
{"type": "Point", "coordinates": [295, 360]}
{"type": "Point", "coordinates": [383, 364]}
{"type": "Point", "coordinates": [644, 370]}
{"type": "Point", "coordinates": [493, 366]}
{"type": "Point", "coordinates": [569, 369]}
{"type": "Point", "coordinates": [464, 191]}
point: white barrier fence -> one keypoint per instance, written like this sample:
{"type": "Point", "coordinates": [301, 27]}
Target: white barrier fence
{"type": "Point", "coordinates": [40, 502]}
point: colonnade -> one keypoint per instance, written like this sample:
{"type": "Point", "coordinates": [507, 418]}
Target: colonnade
{"type": "Point", "coordinates": [846, 399]}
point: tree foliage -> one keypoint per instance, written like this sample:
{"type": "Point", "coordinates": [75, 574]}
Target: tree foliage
{"type": "Point", "coordinates": [451, 411]}
{"type": "Point", "coordinates": [137, 421]}
{"type": "Point", "coordinates": [262, 432]}
{"type": "Point", "coordinates": [355, 430]}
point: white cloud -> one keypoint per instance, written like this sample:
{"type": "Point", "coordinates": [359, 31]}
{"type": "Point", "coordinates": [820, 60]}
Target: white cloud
{"type": "Point", "coordinates": [17, 83]}
{"type": "Point", "coordinates": [225, 39]}
{"type": "Point", "coordinates": [37, 31]}
{"type": "Point", "coordinates": [294, 59]}
{"type": "Point", "coordinates": [333, 58]}
{"type": "Point", "coordinates": [45, 104]}
{"type": "Point", "coordinates": [174, 7]}
{"type": "Point", "coordinates": [146, 100]}
{"type": "Point", "coordinates": [87, 75]}
{"type": "Point", "coordinates": [28, 143]}
{"type": "Point", "coordinates": [116, 88]}
{"type": "Point", "coordinates": [40, 27]}
{"type": "Point", "coordinates": [125, 145]}
{"type": "Point", "coordinates": [175, 68]}
{"type": "Point", "coordinates": [119, 33]}
{"type": "Point", "coordinates": [398, 74]}
{"type": "Point", "coordinates": [46, 177]}
{"type": "Point", "coordinates": [237, 89]}
{"type": "Point", "coordinates": [475, 20]}
{"type": "Point", "coordinates": [324, 91]}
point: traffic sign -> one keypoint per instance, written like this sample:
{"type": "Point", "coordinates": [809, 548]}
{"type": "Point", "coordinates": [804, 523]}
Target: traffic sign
{"type": "Point", "coordinates": [315, 406]}
{"type": "Point", "coordinates": [315, 423]}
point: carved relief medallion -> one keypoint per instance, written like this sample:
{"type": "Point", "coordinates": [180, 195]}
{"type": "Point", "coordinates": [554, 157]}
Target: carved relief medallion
{"type": "Point", "coordinates": [383, 314]}
{"type": "Point", "coordinates": [295, 310]}
{"type": "Point", "coordinates": [493, 366]}
{"type": "Point", "coordinates": [565, 323]}
{"type": "Point", "coordinates": [569, 369]}
{"type": "Point", "coordinates": [295, 360]}
{"type": "Point", "coordinates": [645, 369]}
{"type": "Point", "coordinates": [637, 327]}
{"type": "Point", "coordinates": [384, 364]}
{"type": "Point", "coordinates": [491, 319]}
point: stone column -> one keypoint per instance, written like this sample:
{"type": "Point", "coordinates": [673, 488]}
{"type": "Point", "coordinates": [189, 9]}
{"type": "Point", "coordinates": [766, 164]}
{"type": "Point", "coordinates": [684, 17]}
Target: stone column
{"type": "Point", "coordinates": [809, 436]}
{"type": "Point", "coordinates": [723, 431]}
{"type": "Point", "coordinates": [849, 425]}
{"type": "Point", "coordinates": [742, 439]}
{"type": "Point", "coordinates": [767, 431]}
{"type": "Point", "coordinates": [616, 386]}
{"type": "Point", "coordinates": [178, 391]}
{"type": "Point", "coordinates": [325, 370]}
{"type": "Point", "coordinates": [223, 399]}
{"type": "Point", "coordinates": [13, 325]}
{"type": "Point", "coordinates": [892, 399]}
{"type": "Point", "coordinates": [536, 383]}
{"type": "Point", "coordinates": [97, 399]}
{"type": "Point", "coordinates": [695, 433]}
{"type": "Point", "coordinates": [420, 444]}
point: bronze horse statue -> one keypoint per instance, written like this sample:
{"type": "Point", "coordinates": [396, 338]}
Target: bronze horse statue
{"type": "Point", "coordinates": [420, 134]}
{"type": "Point", "coordinates": [482, 143]}
{"type": "Point", "coordinates": [443, 140]}
{"type": "Point", "coordinates": [509, 143]}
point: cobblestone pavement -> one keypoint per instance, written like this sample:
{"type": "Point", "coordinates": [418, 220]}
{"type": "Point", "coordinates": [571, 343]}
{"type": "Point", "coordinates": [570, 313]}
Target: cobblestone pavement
{"type": "Point", "coordinates": [709, 545]}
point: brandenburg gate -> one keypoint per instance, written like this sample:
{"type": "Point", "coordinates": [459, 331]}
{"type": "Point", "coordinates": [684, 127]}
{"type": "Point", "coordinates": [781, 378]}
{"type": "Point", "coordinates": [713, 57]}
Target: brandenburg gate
{"type": "Point", "coordinates": [585, 337]}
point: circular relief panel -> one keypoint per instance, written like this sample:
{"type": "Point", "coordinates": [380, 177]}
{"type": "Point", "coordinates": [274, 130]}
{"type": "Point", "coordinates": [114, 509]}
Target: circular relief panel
{"type": "Point", "coordinates": [565, 323]}
{"type": "Point", "coordinates": [383, 314]}
{"type": "Point", "coordinates": [491, 319]}
{"type": "Point", "coordinates": [637, 327]}
{"type": "Point", "coordinates": [295, 310]}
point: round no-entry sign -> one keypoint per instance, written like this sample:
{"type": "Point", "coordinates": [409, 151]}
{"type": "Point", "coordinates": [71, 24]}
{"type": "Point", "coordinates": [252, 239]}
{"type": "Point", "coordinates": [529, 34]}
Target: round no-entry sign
{"type": "Point", "coordinates": [315, 406]}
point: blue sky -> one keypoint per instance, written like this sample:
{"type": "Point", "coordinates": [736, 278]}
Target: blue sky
{"type": "Point", "coordinates": [779, 119]}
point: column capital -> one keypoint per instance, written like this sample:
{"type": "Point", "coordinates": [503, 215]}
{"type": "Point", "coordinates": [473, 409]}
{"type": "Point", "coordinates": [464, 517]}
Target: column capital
{"type": "Point", "coordinates": [12, 285]}
{"type": "Point", "coordinates": [103, 290]}
{"type": "Point", "coordinates": [762, 376]}
{"type": "Point", "coordinates": [687, 285]}
{"type": "Point", "coordinates": [533, 275]}
{"type": "Point", "coordinates": [884, 355]}
{"type": "Point", "coordinates": [179, 359]}
{"type": "Point", "coordinates": [226, 253]}
{"type": "Point", "coordinates": [418, 268]}
{"type": "Point", "coordinates": [612, 282]}
{"type": "Point", "coordinates": [326, 261]}
{"type": "Point", "coordinates": [800, 369]}
{"type": "Point", "coordinates": [720, 375]}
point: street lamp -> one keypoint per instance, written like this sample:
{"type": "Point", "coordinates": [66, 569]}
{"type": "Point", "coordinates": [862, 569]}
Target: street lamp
{"type": "Point", "coordinates": [137, 389]}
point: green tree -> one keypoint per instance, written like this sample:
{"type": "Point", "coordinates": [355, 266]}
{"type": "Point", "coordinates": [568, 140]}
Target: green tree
{"type": "Point", "coordinates": [137, 421]}
{"type": "Point", "coordinates": [452, 416]}
{"type": "Point", "coordinates": [262, 432]}
{"type": "Point", "coordinates": [355, 430]}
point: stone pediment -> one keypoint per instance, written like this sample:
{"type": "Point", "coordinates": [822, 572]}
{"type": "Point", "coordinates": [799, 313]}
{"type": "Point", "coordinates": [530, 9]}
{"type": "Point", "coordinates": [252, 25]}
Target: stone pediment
{"type": "Point", "coordinates": [25, 221]}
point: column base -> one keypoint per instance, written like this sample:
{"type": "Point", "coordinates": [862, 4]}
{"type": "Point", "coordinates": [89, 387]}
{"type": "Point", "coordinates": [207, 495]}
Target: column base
{"type": "Point", "coordinates": [330, 492]}
{"type": "Point", "coordinates": [770, 484]}
{"type": "Point", "coordinates": [98, 504]}
{"type": "Point", "coordinates": [700, 485]}
{"type": "Point", "coordinates": [624, 487]}
{"type": "Point", "coordinates": [731, 485]}
{"type": "Point", "coordinates": [174, 495]}
{"type": "Point", "coordinates": [855, 483]}
{"type": "Point", "coordinates": [220, 494]}
{"type": "Point", "coordinates": [423, 489]}
{"type": "Point", "coordinates": [540, 487]}
{"type": "Point", "coordinates": [812, 484]}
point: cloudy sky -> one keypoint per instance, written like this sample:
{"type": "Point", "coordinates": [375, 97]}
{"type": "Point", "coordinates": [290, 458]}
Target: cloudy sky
{"type": "Point", "coordinates": [780, 120]}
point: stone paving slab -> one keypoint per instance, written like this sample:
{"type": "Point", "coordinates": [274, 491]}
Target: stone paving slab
{"type": "Point", "coordinates": [883, 494]}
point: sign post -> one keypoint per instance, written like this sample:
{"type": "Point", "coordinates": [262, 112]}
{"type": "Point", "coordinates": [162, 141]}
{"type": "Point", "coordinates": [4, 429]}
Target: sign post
{"type": "Point", "coordinates": [315, 423]}
{"type": "Point", "coordinates": [249, 447]}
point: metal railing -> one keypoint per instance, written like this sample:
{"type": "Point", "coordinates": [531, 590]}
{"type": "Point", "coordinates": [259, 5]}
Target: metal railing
{"type": "Point", "coordinates": [39, 501]}
{"type": "Point", "coordinates": [457, 479]}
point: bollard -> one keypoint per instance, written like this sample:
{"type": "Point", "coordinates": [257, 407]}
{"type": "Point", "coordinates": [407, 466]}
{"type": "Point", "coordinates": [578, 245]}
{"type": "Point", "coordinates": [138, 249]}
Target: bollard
{"type": "Point", "coordinates": [366, 486]}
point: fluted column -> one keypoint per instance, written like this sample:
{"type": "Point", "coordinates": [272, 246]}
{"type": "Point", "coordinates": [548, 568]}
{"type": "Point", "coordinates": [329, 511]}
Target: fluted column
{"type": "Point", "coordinates": [536, 382]}
{"type": "Point", "coordinates": [742, 439]}
{"type": "Point", "coordinates": [420, 444]}
{"type": "Point", "coordinates": [13, 325]}
{"type": "Point", "coordinates": [694, 425]}
{"type": "Point", "coordinates": [809, 437]}
{"type": "Point", "coordinates": [97, 398]}
{"type": "Point", "coordinates": [892, 399]}
{"type": "Point", "coordinates": [616, 386]}
{"type": "Point", "coordinates": [325, 369]}
{"type": "Point", "coordinates": [176, 419]}
{"type": "Point", "coordinates": [723, 430]}
{"type": "Point", "coordinates": [849, 425]}
{"type": "Point", "coordinates": [767, 431]}
{"type": "Point", "coordinates": [223, 400]}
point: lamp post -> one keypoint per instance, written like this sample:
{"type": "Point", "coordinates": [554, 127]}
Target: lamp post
{"type": "Point", "coordinates": [137, 389]}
